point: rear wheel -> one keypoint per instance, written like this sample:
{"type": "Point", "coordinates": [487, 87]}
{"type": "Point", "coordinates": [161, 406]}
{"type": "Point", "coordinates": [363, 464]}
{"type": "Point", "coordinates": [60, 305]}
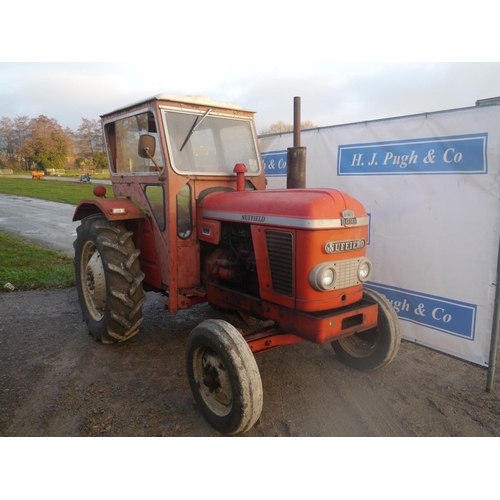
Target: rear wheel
{"type": "Point", "coordinates": [375, 348]}
{"type": "Point", "coordinates": [108, 279]}
{"type": "Point", "coordinates": [224, 377]}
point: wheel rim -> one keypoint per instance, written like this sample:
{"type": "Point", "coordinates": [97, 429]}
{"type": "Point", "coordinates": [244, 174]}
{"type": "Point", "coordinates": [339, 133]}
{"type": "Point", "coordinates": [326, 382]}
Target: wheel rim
{"type": "Point", "coordinates": [361, 345]}
{"type": "Point", "coordinates": [93, 281]}
{"type": "Point", "coordinates": [212, 381]}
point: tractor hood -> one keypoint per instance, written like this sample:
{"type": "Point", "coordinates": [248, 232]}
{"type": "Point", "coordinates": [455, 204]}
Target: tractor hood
{"type": "Point", "coordinates": [296, 208]}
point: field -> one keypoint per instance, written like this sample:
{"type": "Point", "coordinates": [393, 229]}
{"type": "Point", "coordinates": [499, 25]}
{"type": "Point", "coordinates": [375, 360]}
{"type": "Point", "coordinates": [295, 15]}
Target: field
{"type": "Point", "coordinates": [62, 192]}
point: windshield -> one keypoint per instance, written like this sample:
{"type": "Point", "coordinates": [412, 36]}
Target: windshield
{"type": "Point", "coordinates": [204, 143]}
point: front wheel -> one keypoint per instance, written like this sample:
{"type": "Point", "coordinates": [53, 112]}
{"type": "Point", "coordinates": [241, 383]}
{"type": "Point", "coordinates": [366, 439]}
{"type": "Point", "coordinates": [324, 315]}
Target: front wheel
{"type": "Point", "coordinates": [224, 377]}
{"type": "Point", "coordinates": [374, 348]}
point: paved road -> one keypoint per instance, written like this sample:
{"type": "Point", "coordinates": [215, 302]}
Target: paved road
{"type": "Point", "coordinates": [46, 223]}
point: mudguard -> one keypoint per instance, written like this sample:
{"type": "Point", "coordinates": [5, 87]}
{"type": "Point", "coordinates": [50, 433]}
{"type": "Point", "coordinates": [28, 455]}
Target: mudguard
{"type": "Point", "coordinates": [114, 209]}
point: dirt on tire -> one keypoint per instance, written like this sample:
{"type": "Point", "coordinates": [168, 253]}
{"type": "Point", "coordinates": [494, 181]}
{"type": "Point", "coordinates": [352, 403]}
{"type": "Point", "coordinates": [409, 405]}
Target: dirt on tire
{"type": "Point", "coordinates": [55, 380]}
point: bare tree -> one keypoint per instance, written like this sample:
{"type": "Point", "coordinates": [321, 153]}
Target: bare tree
{"type": "Point", "coordinates": [89, 138]}
{"type": "Point", "coordinates": [7, 144]}
{"type": "Point", "coordinates": [281, 126]}
{"type": "Point", "coordinates": [90, 144]}
{"type": "Point", "coordinates": [13, 133]}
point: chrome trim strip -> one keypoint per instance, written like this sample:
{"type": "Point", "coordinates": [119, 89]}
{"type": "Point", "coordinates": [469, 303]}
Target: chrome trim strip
{"type": "Point", "coordinates": [284, 221]}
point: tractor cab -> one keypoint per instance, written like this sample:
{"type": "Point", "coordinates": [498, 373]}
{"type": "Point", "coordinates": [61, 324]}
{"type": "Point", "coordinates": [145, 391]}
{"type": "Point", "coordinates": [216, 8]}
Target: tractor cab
{"type": "Point", "coordinates": [167, 153]}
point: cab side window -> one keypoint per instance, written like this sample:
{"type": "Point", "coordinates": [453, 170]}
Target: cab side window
{"type": "Point", "coordinates": [184, 216]}
{"type": "Point", "coordinates": [156, 199]}
{"type": "Point", "coordinates": [123, 138]}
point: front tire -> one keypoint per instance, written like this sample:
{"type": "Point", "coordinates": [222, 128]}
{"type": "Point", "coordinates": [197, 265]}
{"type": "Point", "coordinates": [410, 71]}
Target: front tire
{"type": "Point", "coordinates": [108, 279]}
{"type": "Point", "coordinates": [224, 377]}
{"type": "Point", "coordinates": [374, 348]}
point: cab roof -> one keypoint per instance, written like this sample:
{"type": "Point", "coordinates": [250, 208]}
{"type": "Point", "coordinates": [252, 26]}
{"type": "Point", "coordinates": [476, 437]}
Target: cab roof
{"type": "Point", "coordinates": [197, 99]}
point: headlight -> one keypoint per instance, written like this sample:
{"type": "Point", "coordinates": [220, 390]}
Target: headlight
{"type": "Point", "coordinates": [328, 277]}
{"type": "Point", "coordinates": [322, 277]}
{"type": "Point", "coordinates": [339, 274]}
{"type": "Point", "coordinates": [365, 270]}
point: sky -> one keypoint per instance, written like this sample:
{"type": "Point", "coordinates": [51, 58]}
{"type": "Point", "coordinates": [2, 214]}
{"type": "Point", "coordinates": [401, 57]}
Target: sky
{"type": "Point", "coordinates": [347, 62]}
{"type": "Point", "coordinates": [331, 92]}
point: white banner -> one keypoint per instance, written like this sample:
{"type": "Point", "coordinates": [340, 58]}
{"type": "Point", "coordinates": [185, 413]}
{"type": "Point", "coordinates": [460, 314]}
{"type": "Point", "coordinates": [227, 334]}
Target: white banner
{"type": "Point", "coordinates": [430, 184]}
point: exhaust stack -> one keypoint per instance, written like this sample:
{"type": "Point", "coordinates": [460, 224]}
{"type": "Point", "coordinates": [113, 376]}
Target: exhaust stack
{"type": "Point", "coordinates": [296, 156]}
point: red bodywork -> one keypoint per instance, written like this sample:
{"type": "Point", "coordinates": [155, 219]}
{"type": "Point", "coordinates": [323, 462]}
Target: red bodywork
{"type": "Point", "coordinates": [312, 218]}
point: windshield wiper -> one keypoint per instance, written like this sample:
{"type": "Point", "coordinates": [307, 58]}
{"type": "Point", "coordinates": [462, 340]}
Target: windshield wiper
{"type": "Point", "coordinates": [194, 127]}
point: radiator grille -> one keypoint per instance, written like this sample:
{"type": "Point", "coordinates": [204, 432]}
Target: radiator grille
{"type": "Point", "coordinates": [280, 252]}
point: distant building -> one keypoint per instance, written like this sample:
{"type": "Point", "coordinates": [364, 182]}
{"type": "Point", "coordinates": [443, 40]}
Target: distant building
{"type": "Point", "coordinates": [487, 102]}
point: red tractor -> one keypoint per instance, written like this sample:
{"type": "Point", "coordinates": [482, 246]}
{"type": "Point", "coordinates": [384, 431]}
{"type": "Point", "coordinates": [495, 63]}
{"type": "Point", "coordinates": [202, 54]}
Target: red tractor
{"type": "Point", "coordinates": [191, 218]}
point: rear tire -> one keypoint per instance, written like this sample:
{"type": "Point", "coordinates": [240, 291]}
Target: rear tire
{"type": "Point", "coordinates": [375, 348]}
{"type": "Point", "coordinates": [108, 279]}
{"type": "Point", "coordinates": [224, 377]}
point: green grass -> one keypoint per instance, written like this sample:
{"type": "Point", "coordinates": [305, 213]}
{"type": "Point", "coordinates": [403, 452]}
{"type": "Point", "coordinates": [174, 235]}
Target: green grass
{"type": "Point", "coordinates": [68, 173]}
{"type": "Point", "coordinates": [63, 192]}
{"type": "Point", "coordinates": [29, 267]}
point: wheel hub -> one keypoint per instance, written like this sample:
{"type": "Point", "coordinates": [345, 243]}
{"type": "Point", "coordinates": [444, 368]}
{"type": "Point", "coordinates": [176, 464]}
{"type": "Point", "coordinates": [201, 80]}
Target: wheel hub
{"type": "Point", "coordinates": [361, 345]}
{"type": "Point", "coordinates": [211, 378]}
{"type": "Point", "coordinates": [93, 281]}
{"type": "Point", "coordinates": [213, 381]}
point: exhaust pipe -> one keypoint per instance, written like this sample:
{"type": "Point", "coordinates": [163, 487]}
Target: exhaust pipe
{"type": "Point", "coordinates": [296, 156]}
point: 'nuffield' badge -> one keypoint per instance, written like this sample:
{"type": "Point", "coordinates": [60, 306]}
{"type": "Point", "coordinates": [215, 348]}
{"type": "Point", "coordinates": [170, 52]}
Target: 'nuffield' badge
{"type": "Point", "coordinates": [348, 218]}
{"type": "Point", "coordinates": [344, 246]}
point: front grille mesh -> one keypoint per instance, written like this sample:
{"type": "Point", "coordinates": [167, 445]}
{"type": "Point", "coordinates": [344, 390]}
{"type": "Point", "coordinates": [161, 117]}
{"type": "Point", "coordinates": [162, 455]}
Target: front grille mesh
{"type": "Point", "coordinates": [346, 273]}
{"type": "Point", "coordinates": [280, 252]}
